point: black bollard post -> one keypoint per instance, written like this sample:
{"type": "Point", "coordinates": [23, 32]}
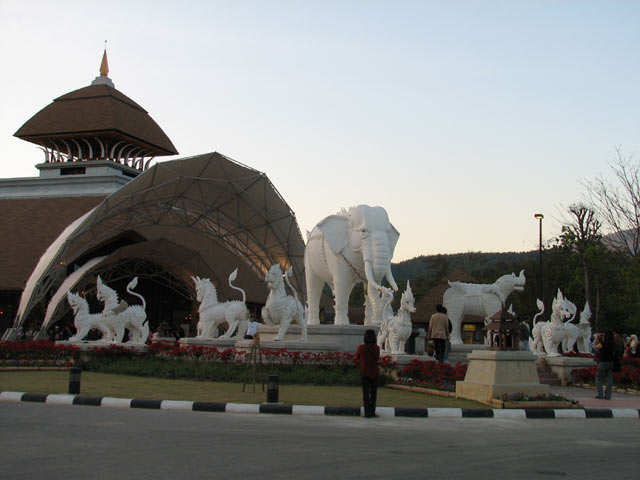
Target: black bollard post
{"type": "Point", "coordinates": [74, 380]}
{"type": "Point", "coordinates": [272, 389]}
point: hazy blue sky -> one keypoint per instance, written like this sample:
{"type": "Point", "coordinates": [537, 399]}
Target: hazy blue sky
{"type": "Point", "coordinates": [461, 118]}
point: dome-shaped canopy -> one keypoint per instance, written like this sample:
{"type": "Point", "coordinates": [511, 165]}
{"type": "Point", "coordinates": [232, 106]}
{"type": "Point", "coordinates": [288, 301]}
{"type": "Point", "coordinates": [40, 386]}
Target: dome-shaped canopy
{"type": "Point", "coordinates": [97, 122]}
{"type": "Point", "coordinates": [225, 214]}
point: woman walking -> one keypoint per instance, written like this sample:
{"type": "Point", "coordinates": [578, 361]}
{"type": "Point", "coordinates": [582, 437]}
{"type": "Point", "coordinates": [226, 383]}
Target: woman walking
{"type": "Point", "coordinates": [368, 355]}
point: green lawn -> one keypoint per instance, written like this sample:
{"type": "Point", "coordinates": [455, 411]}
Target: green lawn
{"type": "Point", "coordinates": [111, 385]}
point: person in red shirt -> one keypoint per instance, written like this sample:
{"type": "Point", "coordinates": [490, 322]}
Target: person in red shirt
{"type": "Point", "coordinates": [368, 355]}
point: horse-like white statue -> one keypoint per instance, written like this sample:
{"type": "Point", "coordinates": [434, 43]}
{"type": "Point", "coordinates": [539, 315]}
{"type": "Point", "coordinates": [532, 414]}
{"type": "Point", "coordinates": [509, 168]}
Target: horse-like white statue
{"type": "Point", "coordinates": [85, 321]}
{"type": "Point", "coordinates": [214, 313]}
{"type": "Point", "coordinates": [386, 295]}
{"type": "Point", "coordinates": [400, 326]}
{"type": "Point", "coordinates": [119, 315]}
{"type": "Point", "coordinates": [578, 335]}
{"type": "Point", "coordinates": [484, 300]}
{"type": "Point", "coordinates": [535, 340]}
{"type": "Point", "coordinates": [280, 308]}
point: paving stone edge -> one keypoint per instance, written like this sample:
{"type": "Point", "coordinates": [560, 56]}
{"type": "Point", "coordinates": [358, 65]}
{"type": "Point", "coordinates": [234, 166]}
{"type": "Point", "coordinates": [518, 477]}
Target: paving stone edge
{"type": "Point", "coordinates": [286, 409]}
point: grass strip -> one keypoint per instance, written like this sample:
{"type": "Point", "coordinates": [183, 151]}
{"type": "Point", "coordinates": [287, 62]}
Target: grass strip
{"type": "Point", "coordinates": [111, 385]}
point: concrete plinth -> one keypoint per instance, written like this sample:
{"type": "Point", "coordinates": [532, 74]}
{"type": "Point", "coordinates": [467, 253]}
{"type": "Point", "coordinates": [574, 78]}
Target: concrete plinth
{"type": "Point", "coordinates": [459, 352]}
{"type": "Point", "coordinates": [341, 338]}
{"type": "Point", "coordinates": [405, 359]}
{"type": "Point", "coordinates": [562, 366]}
{"type": "Point", "coordinates": [492, 373]}
{"type": "Point", "coordinates": [221, 343]}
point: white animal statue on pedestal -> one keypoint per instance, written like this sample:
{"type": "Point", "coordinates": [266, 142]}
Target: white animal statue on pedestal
{"type": "Point", "coordinates": [354, 246]}
{"type": "Point", "coordinates": [552, 332]}
{"type": "Point", "coordinates": [535, 341]}
{"type": "Point", "coordinates": [213, 313]}
{"type": "Point", "coordinates": [386, 295]}
{"type": "Point", "coordinates": [400, 326]}
{"type": "Point", "coordinates": [84, 321]}
{"type": "Point", "coordinates": [484, 300]}
{"type": "Point", "coordinates": [282, 309]}
{"type": "Point", "coordinates": [120, 315]}
{"type": "Point", "coordinates": [579, 334]}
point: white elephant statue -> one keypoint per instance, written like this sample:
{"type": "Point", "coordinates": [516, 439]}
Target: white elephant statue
{"type": "Point", "coordinates": [484, 300]}
{"type": "Point", "coordinates": [354, 246]}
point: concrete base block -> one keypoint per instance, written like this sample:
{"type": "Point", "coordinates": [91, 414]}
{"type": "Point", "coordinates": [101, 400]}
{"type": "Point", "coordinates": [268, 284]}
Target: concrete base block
{"type": "Point", "coordinates": [493, 373]}
{"type": "Point", "coordinates": [562, 366]}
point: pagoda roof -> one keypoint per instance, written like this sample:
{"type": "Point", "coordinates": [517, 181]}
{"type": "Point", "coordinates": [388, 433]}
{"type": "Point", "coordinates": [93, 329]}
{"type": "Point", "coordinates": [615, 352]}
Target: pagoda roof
{"type": "Point", "coordinates": [98, 110]}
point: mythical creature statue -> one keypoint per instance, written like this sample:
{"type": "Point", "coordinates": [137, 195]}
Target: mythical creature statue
{"type": "Point", "coordinates": [354, 246]}
{"type": "Point", "coordinates": [535, 341]}
{"type": "Point", "coordinates": [282, 309]}
{"type": "Point", "coordinates": [214, 313]}
{"type": "Point", "coordinates": [552, 332]}
{"type": "Point", "coordinates": [484, 300]}
{"type": "Point", "coordinates": [119, 315]}
{"type": "Point", "coordinates": [85, 321]}
{"type": "Point", "coordinates": [400, 326]}
{"type": "Point", "coordinates": [579, 334]}
{"type": "Point", "coordinates": [386, 295]}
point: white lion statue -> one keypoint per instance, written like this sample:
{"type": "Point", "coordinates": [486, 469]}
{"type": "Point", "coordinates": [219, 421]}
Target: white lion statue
{"type": "Point", "coordinates": [213, 313]}
{"type": "Point", "coordinates": [119, 315]}
{"type": "Point", "coordinates": [400, 326]}
{"type": "Point", "coordinates": [85, 321]}
{"type": "Point", "coordinates": [484, 300]}
{"type": "Point", "coordinates": [552, 332]}
{"type": "Point", "coordinates": [280, 308]}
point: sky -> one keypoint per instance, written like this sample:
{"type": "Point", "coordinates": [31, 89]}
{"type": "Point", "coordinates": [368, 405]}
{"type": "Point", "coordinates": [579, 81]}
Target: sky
{"type": "Point", "coordinates": [461, 118]}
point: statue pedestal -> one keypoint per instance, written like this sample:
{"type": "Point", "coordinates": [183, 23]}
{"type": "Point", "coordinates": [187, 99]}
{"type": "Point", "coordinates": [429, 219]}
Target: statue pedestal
{"type": "Point", "coordinates": [320, 338]}
{"type": "Point", "coordinates": [492, 373]}
{"type": "Point", "coordinates": [405, 359]}
{"type": "Point", "coordinates": [562, 366]}
{"type": "Point", "coordinates": [84, 346]}
{"type": "Point", "coordinates": [222, 343]}
{"type": "Point", "coordinates": [459, 352]}
{"type": "Point", "coordinates": [341, 338]}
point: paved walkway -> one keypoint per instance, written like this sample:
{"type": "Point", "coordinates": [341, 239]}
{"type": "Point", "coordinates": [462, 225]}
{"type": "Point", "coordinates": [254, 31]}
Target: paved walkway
{"type": "Point", "coordinates": [586, 398]}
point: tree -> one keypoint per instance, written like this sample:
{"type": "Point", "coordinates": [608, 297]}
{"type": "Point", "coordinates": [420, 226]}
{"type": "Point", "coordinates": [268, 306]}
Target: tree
{"type": "Point", "coordinates": [618, 204]}
{"type": "Point", "coordinates": [581, 235]}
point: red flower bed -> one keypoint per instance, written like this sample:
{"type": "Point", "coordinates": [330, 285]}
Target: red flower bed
{"type": "Point", "coordinates": [628, 377]}
{"type": "Point", "coordinates": [37, 352]}
{"type": "Point", "coordinates": [431, 374]}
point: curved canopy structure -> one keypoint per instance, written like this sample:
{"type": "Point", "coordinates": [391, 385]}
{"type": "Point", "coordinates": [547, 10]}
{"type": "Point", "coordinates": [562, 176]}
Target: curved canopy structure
{"type": "Point", "coordinates": [205, 215]}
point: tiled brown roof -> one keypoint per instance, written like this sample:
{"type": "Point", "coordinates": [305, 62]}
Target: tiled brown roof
{"type": "Point", "coordinates": [427, 304]}
{"type": "Point", "coordinates": [29, 226]}
{"type": "Point", "coordinates": [96, 110]}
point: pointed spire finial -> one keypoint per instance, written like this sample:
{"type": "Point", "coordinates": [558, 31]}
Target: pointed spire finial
{"type": "Point", "coordinates": [104, 79]}
{"type": "Point", "coordinates": [104, 66]}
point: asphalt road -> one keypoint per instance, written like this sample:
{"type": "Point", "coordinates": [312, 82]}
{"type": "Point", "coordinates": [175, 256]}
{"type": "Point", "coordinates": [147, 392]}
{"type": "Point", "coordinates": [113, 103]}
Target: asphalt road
{"type": "Point", "coordinates": [40, 441]}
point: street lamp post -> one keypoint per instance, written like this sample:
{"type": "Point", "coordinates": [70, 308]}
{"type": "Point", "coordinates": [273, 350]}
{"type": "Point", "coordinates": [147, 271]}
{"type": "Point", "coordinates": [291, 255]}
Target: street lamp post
{"type": "Point", "coordinates": [539, 216]}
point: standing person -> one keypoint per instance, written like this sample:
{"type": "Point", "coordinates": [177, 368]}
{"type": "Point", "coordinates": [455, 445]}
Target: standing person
{"type": "Point", "coordinates": [606, 352]}
{"type": "Point", "coordinates": [439, 331]}
{"type": "Point", "coordinates": [252, 328]}
{"type": "Point", "coordinates": [368, 355]}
